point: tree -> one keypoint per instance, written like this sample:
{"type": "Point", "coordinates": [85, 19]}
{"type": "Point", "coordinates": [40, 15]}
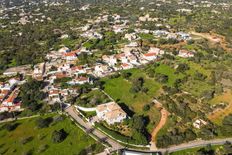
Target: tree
{"type": "Point", "coordinates": [126, 75]}
{"type": "Point", "coordinates": [146, 107]}
{"type": "Point", "coordinates": [138, 123]}
{"type": "Point", "coordinates": [11, 126]}
{"type": "Point", "coordinates": [59, 136]}
{"type": "Point", "coordinates": [182, 67]}
{"type": "Point", "coordinates": [137, 85]}
{"type": "Point", "coordinates": [162, 78]}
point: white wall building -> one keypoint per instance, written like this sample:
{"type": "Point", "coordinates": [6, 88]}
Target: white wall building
{"type": "Point", "coordinates": [111, 113]}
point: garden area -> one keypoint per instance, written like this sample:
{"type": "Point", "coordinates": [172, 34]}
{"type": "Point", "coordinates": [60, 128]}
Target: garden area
{"type": "Point", "coordinates": [45, 135]}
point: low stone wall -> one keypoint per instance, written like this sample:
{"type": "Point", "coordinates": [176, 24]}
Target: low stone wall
{"type": "Point", "coordinates": [85, 109]}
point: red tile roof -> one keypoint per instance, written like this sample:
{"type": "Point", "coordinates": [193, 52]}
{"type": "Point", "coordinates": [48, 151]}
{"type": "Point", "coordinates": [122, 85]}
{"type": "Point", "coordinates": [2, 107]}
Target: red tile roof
{"type": "Point", "coordinates": [149, 54]}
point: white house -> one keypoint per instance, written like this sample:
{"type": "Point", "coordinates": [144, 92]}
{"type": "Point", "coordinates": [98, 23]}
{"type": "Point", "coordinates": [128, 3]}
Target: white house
{"type": "Point", "coordinates": [64, 50]}
{"type": "Point", "coordinates": [199, 123]}
{"type": "Point", "coordinates": [149, 56]}
{"type": "Point", "coordinates": [78, 70]}
{"type": "Point", "coordinates": [110, 60]}
{"type": "Point", "coordinates": [111, 113]}
{"type": "Point", "coordinates": [155, 50]}
{"type": "Point", "coordinates": [70, 56]}
{"type": "Point", "coordinates": [185, 54]}
{"type": "Point", "coordinates": [122, 57]}
{"type": "Point", "coordinates": [79, 80]}
{"type": "Point", "coordinates": [126, 66]}
{"type": "Point", "coordinates": [130, 36]}
{"type": "Point", "coordinates": [101, 70]}
{"type": "Point", "coordinates": [54, 95]}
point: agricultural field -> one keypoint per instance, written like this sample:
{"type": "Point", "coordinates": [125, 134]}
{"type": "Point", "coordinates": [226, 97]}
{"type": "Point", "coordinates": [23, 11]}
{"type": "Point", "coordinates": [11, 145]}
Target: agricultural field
{"type": "Point", "coordinates": [27, 138]}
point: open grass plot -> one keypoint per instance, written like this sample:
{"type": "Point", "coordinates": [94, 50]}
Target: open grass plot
{"type": "Point", "coordinates": [27, 138]}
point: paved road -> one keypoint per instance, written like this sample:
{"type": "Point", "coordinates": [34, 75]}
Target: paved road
{"type": "Point", "coordinates": [89, 128]}
{"type": "Point", "coordinates": [115, 146]}
{"type": "Point", "coordinates": [197, 143]}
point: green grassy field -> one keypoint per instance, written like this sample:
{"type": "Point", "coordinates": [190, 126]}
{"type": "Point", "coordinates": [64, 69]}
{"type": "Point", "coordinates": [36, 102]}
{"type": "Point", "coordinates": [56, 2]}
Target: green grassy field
{"type": "Point", "coordinates": [196, 87]}
{"type": "Point", "coordinates": [119, 90]}
{"type": "Point", "coordinates": [170, 72]}
{"type": "Point", "coordinates": [75, 142]}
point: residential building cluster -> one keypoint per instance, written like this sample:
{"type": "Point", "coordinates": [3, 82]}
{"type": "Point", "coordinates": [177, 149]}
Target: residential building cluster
{"type": "Point", "coordinates": [9, 92]}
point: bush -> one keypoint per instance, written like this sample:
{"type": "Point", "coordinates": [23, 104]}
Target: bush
{"type": "Point", "coordinates": [11, 127]}
{"type": "Point", "coordinates": [182, 68]}
{"type": "Point", "coordinates": [42, 148]}
{"type": "Point", "coordinates": [59, 136]}
{"type": "Point", "coordinates": [44, 123]}
{"type": "Point", "coordinates": [126, 75]}
{"type": "Point", "coordinates": [162, 78]}
{"type": "Point", "coordinates": [146, 107]}
{"type": "Point", "coordinates": [26, 140]}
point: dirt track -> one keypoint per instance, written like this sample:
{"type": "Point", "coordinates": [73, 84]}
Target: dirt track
{"type": "Point", "coordinates": [162, 122]}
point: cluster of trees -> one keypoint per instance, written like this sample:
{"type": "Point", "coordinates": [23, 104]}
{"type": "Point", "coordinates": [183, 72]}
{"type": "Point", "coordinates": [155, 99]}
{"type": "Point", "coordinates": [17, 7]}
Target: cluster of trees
{"type": "Point", "coordinates": [138, 85]}
{"type": "Point", "coordinates": [32, 95]}
{"type": "Point", "coordinates": [227, 125]}
{"type": "Point", "coordinates": [106, 43]}
{"type": "Point", "coordinates": [59, 136]}
{"type": "Point", "coordinates": [138, 125]}
{"type": "Point", "coordinates": [175, 137]}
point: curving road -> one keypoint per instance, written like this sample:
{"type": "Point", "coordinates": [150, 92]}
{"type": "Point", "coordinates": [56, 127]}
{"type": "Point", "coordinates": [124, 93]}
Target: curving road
{"type": "Point", "coordinates": [89, 129]}
{"type": "Point", "coordinates": [116, 146]}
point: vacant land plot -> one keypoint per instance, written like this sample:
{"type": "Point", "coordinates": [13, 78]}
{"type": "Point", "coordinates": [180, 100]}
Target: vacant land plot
{"type": "Point", "coordinates": [218, 115]}
{"type": "Point", "coordinates": [27, 138]}
{"type": "Point", "coordinates": [119, 90]}
{"type": "Point", "coordinates": [170, 72]}
{"type": "Point", "coordinates": [92, 98]}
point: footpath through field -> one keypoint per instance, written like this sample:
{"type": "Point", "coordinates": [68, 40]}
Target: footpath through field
{"type": "Point", "coordinates": [162, 122]}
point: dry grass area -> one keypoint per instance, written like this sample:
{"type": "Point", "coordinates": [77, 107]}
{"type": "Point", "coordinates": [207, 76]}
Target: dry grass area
{"type": "Point", "coordinates": [214, 38]}
{"type": "Point", "coordinates": [218, 114]}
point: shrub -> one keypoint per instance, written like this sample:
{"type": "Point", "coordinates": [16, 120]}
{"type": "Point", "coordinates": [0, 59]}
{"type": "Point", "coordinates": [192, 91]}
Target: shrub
{"type": "Point", "coordinates": [59, 136]}
{"type": "Point", "coordinates": [146, 107]}
{"type": "Point", "coordinates": [26, 140]}
{"type": "Point", "coordinates": [42, 148]}
{"type": "Point", "coordinates": [11, 127]}
{"type": "Point", "coordinates": [44, 123]}
{"type": "Point", "coordinates": [126, 75]}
